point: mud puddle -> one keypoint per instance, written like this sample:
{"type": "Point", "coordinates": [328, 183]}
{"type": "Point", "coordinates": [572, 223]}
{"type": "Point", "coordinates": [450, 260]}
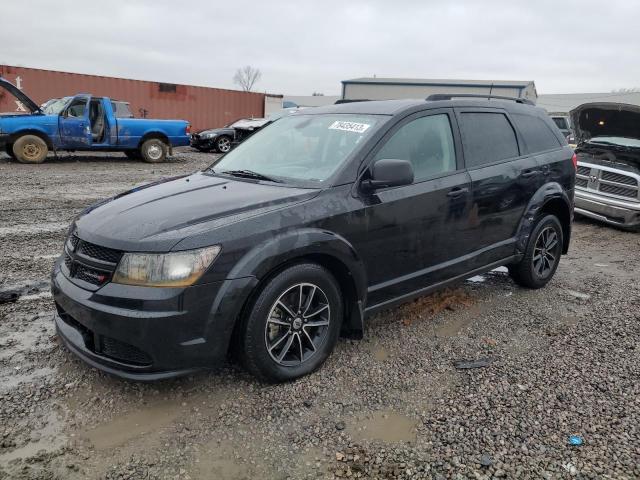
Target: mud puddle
{"type": "Point", "coordinates": [135, 424]}
{"type": "Point", "coordinates": [48, 438]}
{"type": "Point", "coordinates": [386, 426]}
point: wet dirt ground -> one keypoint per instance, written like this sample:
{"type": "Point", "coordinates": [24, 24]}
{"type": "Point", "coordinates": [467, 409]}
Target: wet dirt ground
{"type": "Point", "coordinates": [561, 361]}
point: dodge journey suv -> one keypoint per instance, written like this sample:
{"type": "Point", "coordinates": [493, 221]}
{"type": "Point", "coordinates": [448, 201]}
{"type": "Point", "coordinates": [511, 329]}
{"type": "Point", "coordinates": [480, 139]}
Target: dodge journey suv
{"type": "Point", "coordinates": [312, 224]}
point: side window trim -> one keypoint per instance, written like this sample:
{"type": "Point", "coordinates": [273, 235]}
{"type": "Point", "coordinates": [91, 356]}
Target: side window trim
{"type": "Point", "coordinates": [393, 129]}
{"type": "Point", "coordinates": [519, 141]}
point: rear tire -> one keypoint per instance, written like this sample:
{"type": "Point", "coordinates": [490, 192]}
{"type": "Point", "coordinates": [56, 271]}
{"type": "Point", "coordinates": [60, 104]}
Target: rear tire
{"type": "Point", "coordinates": [30, 149]}
{"type": "Point", "coordinates": [293, 324]}
{"type": "Point", "coordinates": [154, 150]}
{"type": "Point", "coordinates": [542, 255]}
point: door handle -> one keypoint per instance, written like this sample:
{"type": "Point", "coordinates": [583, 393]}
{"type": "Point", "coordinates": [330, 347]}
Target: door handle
{"type": "Point", "coordinates": [529, 173]}
{"type": "Point", "coordinates": [457, 191]}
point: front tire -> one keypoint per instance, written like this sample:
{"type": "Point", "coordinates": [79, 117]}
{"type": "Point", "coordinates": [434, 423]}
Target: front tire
{"type": "Point", "coordinates": [293, 324]}
{"type": "Point", "coordinates": [154, 150]}
{"type": "Point", "coordinates": [223, 144]}
{"type": "Point", "coordinates": [30, 149]}
{"type": "Point", "coordinates": [542, 254]}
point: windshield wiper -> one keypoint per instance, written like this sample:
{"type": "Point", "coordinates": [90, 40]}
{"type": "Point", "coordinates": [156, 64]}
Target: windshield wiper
{"type": "Point", "coordinates": [249, 174]}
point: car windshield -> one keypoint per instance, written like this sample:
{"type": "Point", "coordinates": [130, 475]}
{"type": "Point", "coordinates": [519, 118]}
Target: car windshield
{"type": "Point", "coordinates": [621, 141]}
{"type": "Point", "coordinates": [55, 105]}
{"type": "Point", "coordinates": [299, 148]}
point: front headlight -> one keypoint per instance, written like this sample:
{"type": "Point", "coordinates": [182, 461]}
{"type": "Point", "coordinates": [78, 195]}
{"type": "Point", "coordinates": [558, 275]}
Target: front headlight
{"type": "Point", "coordinates": [176, 269]}
{"type": "Point", "coordinates": [209, 135]}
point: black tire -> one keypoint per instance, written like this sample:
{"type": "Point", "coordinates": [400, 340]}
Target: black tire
{"type": "Point", "coordinates": [542, 254]}
{"type": "Point", "coordinates": [260, 340]}
{"type": "Point", "coordinates": [30, 149]}
{"type": "Point", "coordinates": [223, 144]}
{"type": "Point", "coordinates": [9, 150]}
{"type": "Point", "coordinates": [133, 154]}
{"type": "Point", "coordinates": [154, 150]}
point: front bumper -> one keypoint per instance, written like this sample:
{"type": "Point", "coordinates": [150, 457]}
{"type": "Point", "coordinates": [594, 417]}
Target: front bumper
{"type": "Point", "coordinates": [609, 210]}
{"type": "Point", "coordinates": [146, 333]}
{"type": "Point", "coordinates": [202, 143]}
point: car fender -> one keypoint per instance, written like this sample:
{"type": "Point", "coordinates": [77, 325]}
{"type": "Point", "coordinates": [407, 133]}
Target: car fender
{"type": "Point", "coordinates": [323, 246]}
{"type": "Point", "coordinates": [546, 193]}
{"type": "Point", "coordinates": [33, 130]}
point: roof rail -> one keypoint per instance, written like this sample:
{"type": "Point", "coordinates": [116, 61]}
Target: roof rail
{"type": "Point", "coordinates": [340, 101]}
{"type": "Point", "coordinates": [449, 96]}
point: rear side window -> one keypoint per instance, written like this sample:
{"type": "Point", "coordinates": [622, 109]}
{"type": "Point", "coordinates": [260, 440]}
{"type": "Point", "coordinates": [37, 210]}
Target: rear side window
{"type": "Point", "coordinates": [536, 134]}
{"type": "Point", "coordinates": [427, 142]}
{"type": "Point", "coordinates": [488, 137]}
{"type": "Point", "coordinates": [561, 123]}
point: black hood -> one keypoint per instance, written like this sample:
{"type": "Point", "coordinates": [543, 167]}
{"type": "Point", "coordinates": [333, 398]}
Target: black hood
{"type": "Point", "coordinates": [605, 120]}
{"type": "Point", "coordinates": [156, 217]}
{"type": "Point", "coordinates": [16, 92]}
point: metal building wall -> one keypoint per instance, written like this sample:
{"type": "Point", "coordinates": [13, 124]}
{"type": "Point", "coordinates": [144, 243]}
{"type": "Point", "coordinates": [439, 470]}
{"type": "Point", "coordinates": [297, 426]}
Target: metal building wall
{"type": "Point", "coordinates": [204, 107]}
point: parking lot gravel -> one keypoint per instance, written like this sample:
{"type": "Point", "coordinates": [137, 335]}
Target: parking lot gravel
{"type": "Point", "coordinates": [551, 363]}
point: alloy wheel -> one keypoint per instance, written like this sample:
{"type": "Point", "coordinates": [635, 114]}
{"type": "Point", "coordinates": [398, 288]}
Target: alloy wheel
{"type": "Point", "coordinates": [297, 325]}
{"type": "Point", "coordinates": [546, 252]}
{"type": "Point", "coordinates": [224, 145]}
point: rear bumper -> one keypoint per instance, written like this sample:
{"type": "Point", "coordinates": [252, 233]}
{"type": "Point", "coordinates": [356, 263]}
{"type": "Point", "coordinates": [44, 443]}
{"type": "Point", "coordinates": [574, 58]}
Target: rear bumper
{"type": "Point", "coordinates": [611, 211]}
{"type": "Point", "coordinates": [143, 333]}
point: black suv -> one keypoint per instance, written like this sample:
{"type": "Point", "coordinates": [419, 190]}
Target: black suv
{"type": "Point", "coordinates": [318, 220]}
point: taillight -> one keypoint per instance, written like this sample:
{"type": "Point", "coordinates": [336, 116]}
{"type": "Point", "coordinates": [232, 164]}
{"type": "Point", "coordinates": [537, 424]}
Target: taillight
{"type": "Point", "coordinates": [574, 160]}
{"type": "Point", "coordinates": [187, 129]}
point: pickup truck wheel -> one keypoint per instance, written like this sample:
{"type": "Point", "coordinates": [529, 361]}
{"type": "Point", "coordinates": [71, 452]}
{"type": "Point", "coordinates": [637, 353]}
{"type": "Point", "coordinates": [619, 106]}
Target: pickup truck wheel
{"type": "Point", "coordinates": [30, 149]}
{"type": "Point", "coordinates": [293, 324]}
{"type": "Point", "coordinates": [223, 144]}
{"type": "Point", "coordinates": [154, 151]}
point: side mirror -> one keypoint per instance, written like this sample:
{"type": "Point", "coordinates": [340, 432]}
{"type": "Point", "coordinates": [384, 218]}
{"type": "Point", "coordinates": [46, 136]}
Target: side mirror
{"type": "Point", "coordinates": [389, 173]}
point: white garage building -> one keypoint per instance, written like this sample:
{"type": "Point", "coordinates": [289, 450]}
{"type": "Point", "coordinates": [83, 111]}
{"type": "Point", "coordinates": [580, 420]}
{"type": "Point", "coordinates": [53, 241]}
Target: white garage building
{"type": "Point", "coordinates": [372, 88]}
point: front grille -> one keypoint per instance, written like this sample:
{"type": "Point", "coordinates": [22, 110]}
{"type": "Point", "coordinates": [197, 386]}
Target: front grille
{"type": "Point", "coordinates": [619, 178]}
{"type": "Point", "coordinates": [90, 275]}
{"type": "Point", "coordinates": [584, 170]}
{"type": "Point", "coordinates": [110, 347]}
{"type": "Point", "coordinates": [618, 190]}
{"type": "Point", "coordinates": [89, 263]}
{"type": "Point", "coordinates": [104, 254]}
{"type": "Point", "coordinates": [581, 182]}
{"type": "Point", "coordinates": [74, 242]}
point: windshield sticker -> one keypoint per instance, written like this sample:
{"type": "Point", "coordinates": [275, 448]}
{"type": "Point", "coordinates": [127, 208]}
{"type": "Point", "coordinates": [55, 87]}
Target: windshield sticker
{"type": "Point", "coordinates": [349, 126]}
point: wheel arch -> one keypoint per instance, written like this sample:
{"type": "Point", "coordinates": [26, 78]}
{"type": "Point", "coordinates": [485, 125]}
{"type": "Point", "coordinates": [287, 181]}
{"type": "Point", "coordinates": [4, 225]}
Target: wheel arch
{"type": "Point", "coordinates": [551, 198]}
{"type": "Point", "coordinates": [154, 134]}
{"type": "Point", "coordinates": [32, 131]}
{"type": "Point", "coordinates": [326, 249]}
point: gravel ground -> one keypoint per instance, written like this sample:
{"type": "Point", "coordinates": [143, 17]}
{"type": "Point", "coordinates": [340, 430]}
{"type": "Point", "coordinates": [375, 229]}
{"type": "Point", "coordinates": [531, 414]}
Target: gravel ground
{"type": "Point", "coordinates": [559, 361]}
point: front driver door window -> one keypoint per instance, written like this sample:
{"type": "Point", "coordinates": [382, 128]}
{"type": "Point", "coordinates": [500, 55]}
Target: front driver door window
{"type": "Point", "coordinates": [413, 229]}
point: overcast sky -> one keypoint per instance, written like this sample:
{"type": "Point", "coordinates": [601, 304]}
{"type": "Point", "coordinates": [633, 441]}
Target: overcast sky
{"type": "Point", "coordinates": [305, 46]}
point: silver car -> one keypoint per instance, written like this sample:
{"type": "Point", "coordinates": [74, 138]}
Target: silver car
{"type": "Point", "coordinates": [608, 153]}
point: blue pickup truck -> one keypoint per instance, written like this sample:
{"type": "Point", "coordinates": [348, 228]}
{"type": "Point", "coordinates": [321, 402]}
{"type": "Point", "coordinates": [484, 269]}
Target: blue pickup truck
{"type": "Point", "coordinates": [85, 122]}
